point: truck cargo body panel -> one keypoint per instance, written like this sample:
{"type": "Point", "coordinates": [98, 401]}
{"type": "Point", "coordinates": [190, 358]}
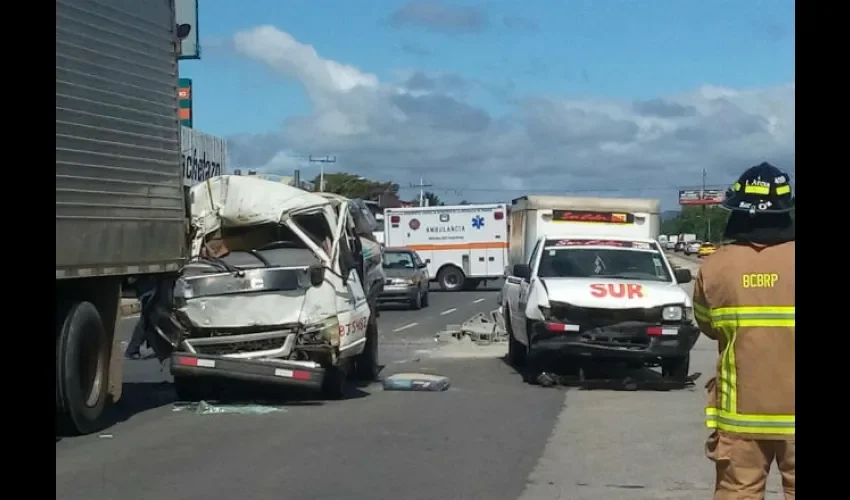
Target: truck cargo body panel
{"type": "Point", "coordinates": [119, 197]}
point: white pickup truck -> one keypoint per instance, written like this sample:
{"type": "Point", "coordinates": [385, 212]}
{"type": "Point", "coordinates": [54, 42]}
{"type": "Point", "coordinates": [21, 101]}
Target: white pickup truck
{"type": "Point", "coordinates": [591, 299]}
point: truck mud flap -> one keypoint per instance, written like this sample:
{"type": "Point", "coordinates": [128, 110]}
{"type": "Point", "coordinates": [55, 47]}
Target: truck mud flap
{"type": "Point", "coordinates": [277, 373]}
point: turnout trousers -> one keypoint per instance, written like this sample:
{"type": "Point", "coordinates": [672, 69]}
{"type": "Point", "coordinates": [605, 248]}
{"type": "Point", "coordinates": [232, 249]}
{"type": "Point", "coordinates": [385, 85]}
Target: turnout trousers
{"type": "Point", "coordinates": [742, 465]}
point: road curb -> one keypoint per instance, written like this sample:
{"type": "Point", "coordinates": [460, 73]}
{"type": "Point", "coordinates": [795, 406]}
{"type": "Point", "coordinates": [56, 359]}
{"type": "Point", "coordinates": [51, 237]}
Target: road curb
{"type": "Point", "coordinates": [130, 307]}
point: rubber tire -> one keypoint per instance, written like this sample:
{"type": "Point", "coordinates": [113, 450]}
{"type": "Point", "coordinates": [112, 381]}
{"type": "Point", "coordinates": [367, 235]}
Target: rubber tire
{"type": "Point", "coordinates": [517, 353]}
{"type": "Point", "coordinates": [676, 368]}
{"type": "Point", "coordinates": [425, 299]}
{"type": "Point", "coordinates": [335, 384]}
{"type": "Point", "coordinates": [367, 366]}
{"type": "Point", "coordinates": [443, 276]}
{"type": "Point", "coordinates": [81, 328]}
{"type": "Point", "coordinates": [188, 389]}
{"type": "Point", "coordinates": [416, 302]}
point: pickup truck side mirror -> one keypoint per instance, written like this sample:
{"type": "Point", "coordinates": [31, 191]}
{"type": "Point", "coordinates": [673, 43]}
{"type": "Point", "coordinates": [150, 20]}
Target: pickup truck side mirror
{"type": "Point", "coordinates": [317, 274]}
{"type": "Point", "coordinates": [423, 265]}
{"type": "Point", "coordinates": [522, 271]}
{"type": "Point", "coordinates": [683, 275]}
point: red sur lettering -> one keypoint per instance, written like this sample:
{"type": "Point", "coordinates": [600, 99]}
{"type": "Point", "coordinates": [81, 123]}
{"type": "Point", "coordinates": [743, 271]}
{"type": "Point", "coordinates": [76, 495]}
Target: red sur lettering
{"type": "Point", "coordinates": [617, 290]}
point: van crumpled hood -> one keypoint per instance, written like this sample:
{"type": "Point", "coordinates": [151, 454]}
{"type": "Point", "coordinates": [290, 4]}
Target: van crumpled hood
{"type": "Point", "coordinates": [260, 309]}
{"type": "Point", "coordinates": [603, 293]}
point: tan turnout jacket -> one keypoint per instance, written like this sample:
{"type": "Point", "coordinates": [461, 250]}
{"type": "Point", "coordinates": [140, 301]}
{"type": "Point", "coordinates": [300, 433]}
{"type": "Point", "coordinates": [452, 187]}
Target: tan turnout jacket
{"type": "Point", "coordinates": [744, 299]}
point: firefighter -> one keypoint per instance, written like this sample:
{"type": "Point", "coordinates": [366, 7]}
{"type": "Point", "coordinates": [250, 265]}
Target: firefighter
{"type": "Point", "coordinates": [744, 299]}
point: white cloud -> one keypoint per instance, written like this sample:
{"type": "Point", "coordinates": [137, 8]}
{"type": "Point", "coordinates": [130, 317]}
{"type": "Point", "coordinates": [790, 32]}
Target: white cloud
{"type": "Point", "coordinates": [421, 126]}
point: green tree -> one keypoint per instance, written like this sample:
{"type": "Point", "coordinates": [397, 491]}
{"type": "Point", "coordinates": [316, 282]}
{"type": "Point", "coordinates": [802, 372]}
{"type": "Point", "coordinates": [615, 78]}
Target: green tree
{"type": "Point", "coordinates": [706, 222]}
{"type": "Point", "coordinates": [355, 186]}
{"type": "Point", "coordinates": [433, 200]}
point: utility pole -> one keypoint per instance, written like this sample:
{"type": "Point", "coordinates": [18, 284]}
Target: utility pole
{"type": "Point", "coordinates": [422, 187]}
{"type": "Point", "coordinates": [705, 208]}
{"type": "Point", "coordinates": [321, 160]}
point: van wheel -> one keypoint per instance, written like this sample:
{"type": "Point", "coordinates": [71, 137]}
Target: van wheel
{"type": "Point", "coordinates": [450, 279]}
{"type": "Point", "coordinates": [335, 384]}
{"type": "Point", "coordinates": [188, 389]}
{"type": "Point", "coordinates": [82, 369]}
{"type": "Point", "coordinates": [366, 367]}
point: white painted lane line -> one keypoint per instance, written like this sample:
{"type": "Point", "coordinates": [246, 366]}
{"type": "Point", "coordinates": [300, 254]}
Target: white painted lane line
{"type": "Point", "coordinates": [405, 327]}
{"type": "Point", "coordinates": [476, 301]}
{"type": "Point", "coordinates": [448, 311]}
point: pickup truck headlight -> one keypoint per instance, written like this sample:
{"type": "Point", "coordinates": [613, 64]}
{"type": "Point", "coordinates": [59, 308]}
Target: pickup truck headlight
{"type": "Point", "coordinates": [673, 313]}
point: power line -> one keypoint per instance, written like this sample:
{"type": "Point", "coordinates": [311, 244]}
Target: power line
{"type": "Point", "coordinates": [421, 187]}
{"type": "Point", "coordinates": [565, 191]}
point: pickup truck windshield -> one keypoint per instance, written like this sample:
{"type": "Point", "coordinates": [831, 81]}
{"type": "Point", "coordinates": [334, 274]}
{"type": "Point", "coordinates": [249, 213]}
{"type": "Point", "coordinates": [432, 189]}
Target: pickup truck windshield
{"type": "Point", "coordinates": [644, 265]}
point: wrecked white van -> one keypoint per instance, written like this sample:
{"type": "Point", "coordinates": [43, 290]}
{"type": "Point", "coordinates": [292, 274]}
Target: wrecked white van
{"type": "Point", "coordinates": [273, 292]}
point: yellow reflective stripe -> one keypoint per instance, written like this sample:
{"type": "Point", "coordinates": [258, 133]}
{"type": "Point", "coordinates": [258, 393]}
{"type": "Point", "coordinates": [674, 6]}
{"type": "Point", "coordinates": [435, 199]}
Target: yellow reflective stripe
{"type": "Point", "coordinates": [750, 424]}
{"type": "Point", "coordinates": [775, 316]}
{"type": "Point", "coordinates": [702, 312]}
{"type": "Point", "coordinates": [729, 320]}
{"type": "Point", "coordinates": [783, 189]}
{"type": "Point", "coordinates": [757, 189]}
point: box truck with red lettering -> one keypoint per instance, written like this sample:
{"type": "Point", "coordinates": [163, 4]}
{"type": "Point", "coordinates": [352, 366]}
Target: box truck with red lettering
{"type": "Point", "coordinates": [589, 284]}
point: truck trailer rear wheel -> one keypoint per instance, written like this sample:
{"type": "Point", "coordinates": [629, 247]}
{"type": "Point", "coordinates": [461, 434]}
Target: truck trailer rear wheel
{"type": "Point", "coordinates": [450, 279]}
{"type": "Point", "coordinates": [82, 369]}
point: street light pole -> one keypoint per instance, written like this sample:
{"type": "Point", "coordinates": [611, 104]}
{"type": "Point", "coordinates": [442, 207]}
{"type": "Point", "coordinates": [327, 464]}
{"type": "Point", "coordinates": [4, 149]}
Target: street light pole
{"type": "Point", "coordinates": [321, 160]}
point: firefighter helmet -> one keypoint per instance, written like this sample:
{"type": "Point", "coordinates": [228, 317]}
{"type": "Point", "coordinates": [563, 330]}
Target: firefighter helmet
{"type": "Point", "coordinates": [761, 189]}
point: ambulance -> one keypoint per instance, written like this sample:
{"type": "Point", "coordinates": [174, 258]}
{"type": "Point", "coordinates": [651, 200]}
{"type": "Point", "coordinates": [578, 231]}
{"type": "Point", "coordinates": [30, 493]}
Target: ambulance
{"type": "Point", "coordinates": [463, 246]}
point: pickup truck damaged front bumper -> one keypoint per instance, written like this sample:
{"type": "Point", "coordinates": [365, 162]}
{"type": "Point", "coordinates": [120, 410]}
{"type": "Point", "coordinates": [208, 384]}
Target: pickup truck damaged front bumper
{"type": "Point", "coordinates": [626, 341]}
{"type": "Point", "coordinates": [294, 374]}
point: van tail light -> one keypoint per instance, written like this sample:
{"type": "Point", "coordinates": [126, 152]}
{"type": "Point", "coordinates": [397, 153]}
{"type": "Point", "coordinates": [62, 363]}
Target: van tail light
{"type": "Point", "coordinates": [499, 215]}
{"type": "Point", "coordinates": [395, 219]}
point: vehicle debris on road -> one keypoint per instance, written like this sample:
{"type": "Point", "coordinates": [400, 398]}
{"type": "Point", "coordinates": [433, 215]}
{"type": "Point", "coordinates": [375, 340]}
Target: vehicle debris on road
{"type": "Point", "coordinates": [416, 382]}
{"type": "Point", "coordinates": [482, 329]}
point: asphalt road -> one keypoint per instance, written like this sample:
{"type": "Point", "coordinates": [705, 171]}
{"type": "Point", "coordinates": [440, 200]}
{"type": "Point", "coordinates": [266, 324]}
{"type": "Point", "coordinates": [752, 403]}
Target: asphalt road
{"type": "Point", "coordinates": [489, 437]}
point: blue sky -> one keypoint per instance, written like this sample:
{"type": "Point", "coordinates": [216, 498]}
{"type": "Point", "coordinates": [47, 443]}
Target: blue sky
{"type": "Point", "coordinates": [600, 51]}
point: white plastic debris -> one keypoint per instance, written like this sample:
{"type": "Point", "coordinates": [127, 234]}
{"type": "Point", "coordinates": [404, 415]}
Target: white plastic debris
{"type": "Point", "coordinates": [416, 382]}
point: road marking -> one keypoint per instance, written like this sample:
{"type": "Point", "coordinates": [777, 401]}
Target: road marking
{"type": "Point", "coordinates": [448, 311]}
{"type": "Point", "coordinates": [476, 301]}
{"type": "Point", "coordinates": [405, 327]}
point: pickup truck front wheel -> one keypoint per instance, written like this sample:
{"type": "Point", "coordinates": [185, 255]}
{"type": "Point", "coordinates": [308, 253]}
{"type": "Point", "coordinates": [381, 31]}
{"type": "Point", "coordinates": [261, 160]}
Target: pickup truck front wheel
{"type": "Point", "coordinates": [517, 353]}
{"type": "Point", "coordinates": [676, 369]}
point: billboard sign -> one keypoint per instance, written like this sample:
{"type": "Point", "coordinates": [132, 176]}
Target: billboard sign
{"type": "Point", "coordinates": [204, 156]}
{"type": "Point", "coordinates": [186, 17]}
{"type": "Point", "coordinates": [184, 101]}
{"type": "Point", "coordinates": [701, 197]}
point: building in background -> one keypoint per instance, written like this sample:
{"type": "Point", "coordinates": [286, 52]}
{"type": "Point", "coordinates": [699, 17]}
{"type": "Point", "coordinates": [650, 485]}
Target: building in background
{"type": "Point", "coordinates": [204, 155]}
{"type": "Point", "coordinates": [184, 101]}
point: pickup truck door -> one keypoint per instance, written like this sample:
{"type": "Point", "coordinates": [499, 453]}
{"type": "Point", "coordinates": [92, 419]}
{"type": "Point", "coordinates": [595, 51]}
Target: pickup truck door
{"type": "Point", "coordinates": [518, 297]}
